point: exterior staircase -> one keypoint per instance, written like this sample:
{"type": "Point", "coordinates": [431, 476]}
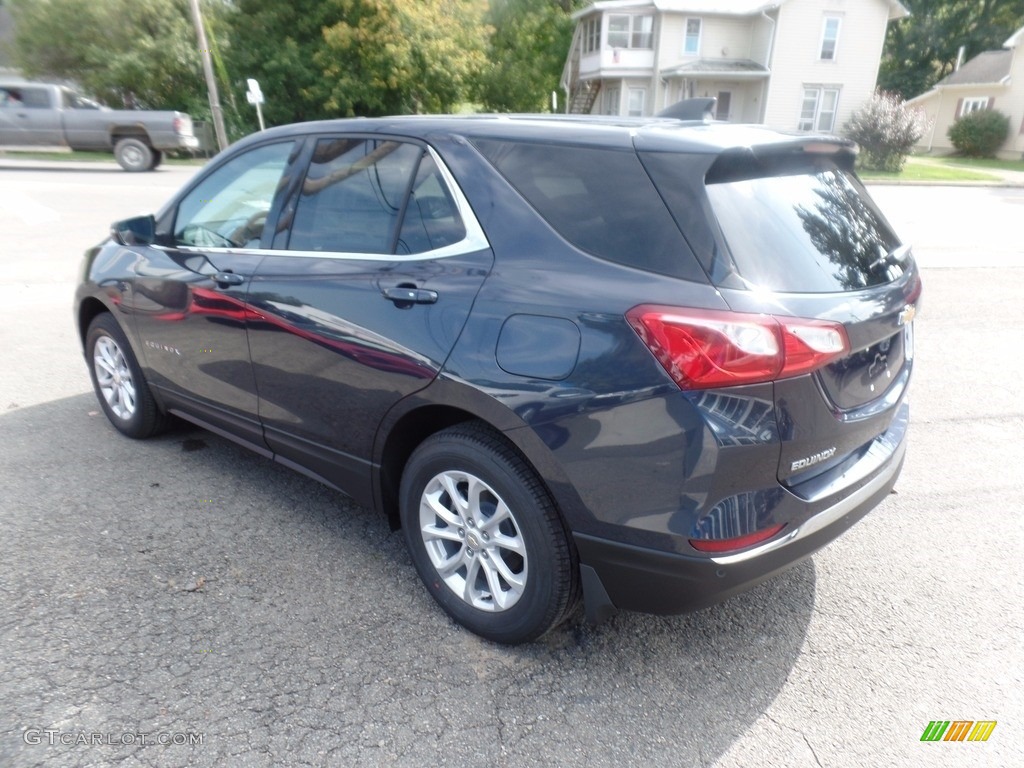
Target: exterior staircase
{"type": "Point", "coordinates": [582, 94]}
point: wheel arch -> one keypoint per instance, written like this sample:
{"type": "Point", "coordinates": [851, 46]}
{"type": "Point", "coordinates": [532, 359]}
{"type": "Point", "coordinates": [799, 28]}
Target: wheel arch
{"type": "Point", "coordinates": [88, 310]}
{"type": "Point", "coordinates": [119, 132]}
{"type": "Point", "coordinates": [445, 404]}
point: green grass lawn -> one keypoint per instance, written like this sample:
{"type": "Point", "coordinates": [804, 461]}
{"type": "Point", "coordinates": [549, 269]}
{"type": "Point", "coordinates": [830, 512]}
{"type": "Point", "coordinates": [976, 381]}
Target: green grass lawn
{"type": "Point", "coordinates": [935, 169]}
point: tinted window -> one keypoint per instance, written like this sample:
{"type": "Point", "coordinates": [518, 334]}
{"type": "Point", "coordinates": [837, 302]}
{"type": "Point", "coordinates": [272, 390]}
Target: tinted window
{"type": "Point", "coordinates": [600, 200]}
{"type": "Point", "coordinates": [431, 218]}
{"type": "Point", "coordinates": [353, 196]}
{"type": "Point", "coordinates": [806, 232]}
{"type": "Point", "coordinates": [229, 207]}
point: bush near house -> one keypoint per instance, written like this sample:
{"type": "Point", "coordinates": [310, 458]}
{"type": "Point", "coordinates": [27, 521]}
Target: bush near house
{"type": "Point", "coordinates": [886, 130]}
{"type": "Point", "coordinates": [980, 133]}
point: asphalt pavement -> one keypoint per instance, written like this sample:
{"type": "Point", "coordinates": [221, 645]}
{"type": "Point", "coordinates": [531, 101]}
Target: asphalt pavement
{"type": "Point", "coordinates": [180, 601]}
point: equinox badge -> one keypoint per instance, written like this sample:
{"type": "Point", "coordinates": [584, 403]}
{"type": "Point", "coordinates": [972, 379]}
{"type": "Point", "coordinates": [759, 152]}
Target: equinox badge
{"type": "Point", "coordinates": [813, 459]}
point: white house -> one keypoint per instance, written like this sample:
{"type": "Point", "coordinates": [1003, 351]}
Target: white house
{"type": "Point", "coordinates": [791, 64]}
{"type": "Point", "coordinates": [991, 80]}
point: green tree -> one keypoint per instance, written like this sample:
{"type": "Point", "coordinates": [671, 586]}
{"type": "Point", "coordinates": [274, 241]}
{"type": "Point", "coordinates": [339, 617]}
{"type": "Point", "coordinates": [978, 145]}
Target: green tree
{"type": "Point", "coordinates": [125, 52]}
{"type": "Point", "coordinates": [390, 57]}
{"type": "Point", "coordinates": [922, 49]}
{"type": "Point", "coordinates": [276, 43]}
{"type": "Point", "coordinates": [526, 53]}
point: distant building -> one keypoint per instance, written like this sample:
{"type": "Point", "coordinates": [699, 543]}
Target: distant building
{"type": "Point", "coordinates": [991, 80]}
{"type": "Point", "coordinates": [792, 64]}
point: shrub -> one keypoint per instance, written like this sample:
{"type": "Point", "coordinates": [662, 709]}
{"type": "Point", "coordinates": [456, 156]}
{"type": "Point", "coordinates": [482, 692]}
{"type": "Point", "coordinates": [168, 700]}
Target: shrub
{"type": "Point", "coordinates": [886, 130]}
{"type": "Point", "coordinates": [979, 133]}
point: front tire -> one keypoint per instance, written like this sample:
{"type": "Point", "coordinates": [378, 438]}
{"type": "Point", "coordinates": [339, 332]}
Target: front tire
{"type": "Point", "coordinates": [118, 380]}
{"type": "Point", "coordinates": [133, 155]}
{"type": "Point", "coordinates": [486, 537]}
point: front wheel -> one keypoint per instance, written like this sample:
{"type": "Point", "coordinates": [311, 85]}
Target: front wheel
{"type": "Point", "coordinates": [118, 381]}
{"type": "Point", "coordinates": [133, 155]}
{"type": "Point", "coordinates": [485, 536]}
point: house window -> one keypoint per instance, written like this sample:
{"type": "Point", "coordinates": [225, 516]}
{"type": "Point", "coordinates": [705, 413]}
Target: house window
{"type": "Point", "coordinates": [611, 101]}
{"type": "Point", "coordinates": [691, 44]}
{"type": "Point", "coordinates": [973, 105]}
{"type": "Point", "coordinates": [642, 33]}
{"type": "Point", "coordinates": [630, 31]}
{"type": "Point", "coordinates": [830, 38]}
{"type": "Point", "coordinates": [637, 97]}
{"type": "Point", "coordinates": [592, 34]}
{"type": "Point", "coordinates": [818, 112]}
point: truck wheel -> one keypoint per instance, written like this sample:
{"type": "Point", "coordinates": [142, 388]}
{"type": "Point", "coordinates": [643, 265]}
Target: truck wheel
{"type": "Point", "coordinates": [133, 155]}
{"type": "Point", "coordinates": [158, 157]}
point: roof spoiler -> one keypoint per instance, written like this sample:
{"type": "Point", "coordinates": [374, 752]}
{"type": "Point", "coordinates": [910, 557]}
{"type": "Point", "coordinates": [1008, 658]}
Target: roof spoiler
{"type": "Point", "coordinates": [691, 109]}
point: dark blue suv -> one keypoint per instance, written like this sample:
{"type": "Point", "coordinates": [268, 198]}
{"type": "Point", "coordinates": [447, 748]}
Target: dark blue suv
{"type": "Point", "coordinates": [647, 362]}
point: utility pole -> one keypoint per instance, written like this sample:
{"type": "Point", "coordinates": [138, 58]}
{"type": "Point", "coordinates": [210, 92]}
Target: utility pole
{"type": "Point", "coordinates": [211, 81]}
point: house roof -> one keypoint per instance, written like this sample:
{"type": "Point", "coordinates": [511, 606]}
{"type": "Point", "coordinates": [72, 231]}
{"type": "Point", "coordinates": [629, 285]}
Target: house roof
{"type": "Point", "coordinates": [710, 7]}
{"type": "Point", "coordinates": [729, 67]}
{"type": "Point", "coordinates": [1014, 39]}
{"type": "Point", "coordinates": [988, 67]}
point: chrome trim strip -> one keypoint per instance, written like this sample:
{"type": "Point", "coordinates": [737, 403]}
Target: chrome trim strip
{"type": "Point", "coordinates": [474, 241]}
{"type": "Point", "coordinates": [824, 518]}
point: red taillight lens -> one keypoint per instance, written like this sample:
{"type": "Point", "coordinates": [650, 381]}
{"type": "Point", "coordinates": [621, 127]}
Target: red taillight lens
{"type": "Point", "coordinates": [740, 542]}
{"type": "Point", "coordinates": [707, 348]}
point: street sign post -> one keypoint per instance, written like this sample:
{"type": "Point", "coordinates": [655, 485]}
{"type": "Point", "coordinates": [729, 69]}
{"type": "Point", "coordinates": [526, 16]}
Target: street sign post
{"type": "Point", "coordinates": [255, 96]}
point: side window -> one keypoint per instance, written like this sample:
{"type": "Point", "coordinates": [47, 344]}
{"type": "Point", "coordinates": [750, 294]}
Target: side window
{"type": "Point", "coordinates": [600, 200]}
{"type": "Point", "coordinates": [32, 98]}
{"type": "Point", "coordinates": [431, 218]}
{"type": "Point", "coordinates": [373, 196]}
{"type": "Point", "coordinates": [229, 207]}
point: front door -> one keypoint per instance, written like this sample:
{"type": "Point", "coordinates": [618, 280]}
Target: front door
{"type": "Point", "coordinates": [27, 117]}
{"type": "Point", "coordinates": [189, 293]}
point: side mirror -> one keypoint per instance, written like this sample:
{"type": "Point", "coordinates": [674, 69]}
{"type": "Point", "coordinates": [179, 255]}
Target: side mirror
{"type": "Point", "coordinates": [138, 230]}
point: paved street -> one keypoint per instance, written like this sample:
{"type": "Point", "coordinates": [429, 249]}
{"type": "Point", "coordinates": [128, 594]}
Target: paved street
{"type": "Point", "coordinates": [182, 590]}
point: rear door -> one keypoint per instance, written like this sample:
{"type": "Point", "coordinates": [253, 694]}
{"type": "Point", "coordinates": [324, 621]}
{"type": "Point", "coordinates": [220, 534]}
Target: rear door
{"type": "Point", "coordinates": [376, 263]}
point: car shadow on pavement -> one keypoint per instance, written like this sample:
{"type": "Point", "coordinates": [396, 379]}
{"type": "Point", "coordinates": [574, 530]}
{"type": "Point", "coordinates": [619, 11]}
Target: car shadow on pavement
{"type": "Point", "coordinates": [186, 585]}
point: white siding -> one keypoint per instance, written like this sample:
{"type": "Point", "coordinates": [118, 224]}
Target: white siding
{"type": "Point", "coordinates": [1012, 104]}
{"type": "Point", "coordinates": [797, 64]}
{"type": "Point", "coordinates": [721, 37]}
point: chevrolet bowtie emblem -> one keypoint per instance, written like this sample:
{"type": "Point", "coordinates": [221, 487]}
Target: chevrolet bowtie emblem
{"type": "Point", "coordinates": [907, 315]}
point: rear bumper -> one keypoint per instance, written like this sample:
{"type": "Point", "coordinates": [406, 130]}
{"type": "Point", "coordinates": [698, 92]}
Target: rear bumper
{"type": "Point", "coordinates": [627, 577]}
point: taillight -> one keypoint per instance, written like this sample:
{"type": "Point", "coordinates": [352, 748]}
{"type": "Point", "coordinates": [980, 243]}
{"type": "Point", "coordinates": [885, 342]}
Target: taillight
{"type": "Point", "coordinates": [183, 126]}
{"type": "Point", "coordinates": [704, 348]}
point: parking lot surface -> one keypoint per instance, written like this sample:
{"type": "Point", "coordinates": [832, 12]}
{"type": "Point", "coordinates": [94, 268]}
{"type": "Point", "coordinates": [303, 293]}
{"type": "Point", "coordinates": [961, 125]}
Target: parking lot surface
{"type": "Point", "coordinates": [183, 602]}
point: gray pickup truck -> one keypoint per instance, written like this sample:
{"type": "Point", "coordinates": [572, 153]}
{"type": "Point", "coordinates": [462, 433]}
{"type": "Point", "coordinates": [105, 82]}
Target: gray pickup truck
{"type": "Point", "coordinates": [39, 114]}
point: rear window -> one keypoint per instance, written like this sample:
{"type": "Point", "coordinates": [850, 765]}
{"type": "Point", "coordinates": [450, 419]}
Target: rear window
{"type": "Point", "coordinates": [600, 200]}
{"type": "Point", "coordinates": [804, 230]}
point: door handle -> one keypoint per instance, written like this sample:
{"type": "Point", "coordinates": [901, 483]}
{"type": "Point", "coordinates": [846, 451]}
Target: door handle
{"type": "Point", "coordinates": [409, 296]}
{"type": "Point", "coordinates": [225, 279]}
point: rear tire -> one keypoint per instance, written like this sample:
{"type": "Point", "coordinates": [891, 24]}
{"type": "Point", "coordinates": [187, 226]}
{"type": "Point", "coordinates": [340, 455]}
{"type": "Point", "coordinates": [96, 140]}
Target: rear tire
{"type": "Point", "coordinates": [117, 378]}
{"type": "Point", "coordinates": [133, 155]}
{"type": "Point", "coordinates": [158, 157]}
{"type": "Point", "coordinates": [486, 537]}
